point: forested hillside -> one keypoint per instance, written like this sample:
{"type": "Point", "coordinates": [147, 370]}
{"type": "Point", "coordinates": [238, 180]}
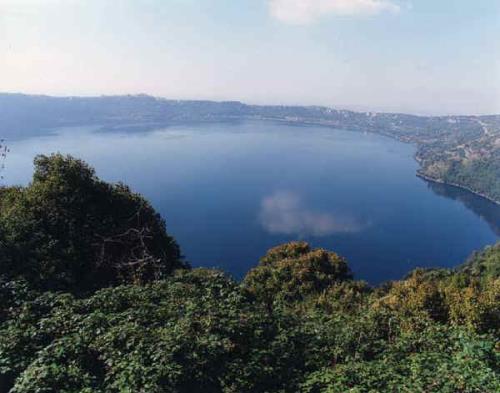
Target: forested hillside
{"type": "Point", "coordinates": [96, 297]}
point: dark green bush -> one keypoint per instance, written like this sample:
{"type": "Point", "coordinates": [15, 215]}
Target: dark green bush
{"type": "Point", "coordinates": [195, 332]}
{"type": "Point", "coordinates": [69, 230]}
{"type": "Point", "coordinates": [293, 271]}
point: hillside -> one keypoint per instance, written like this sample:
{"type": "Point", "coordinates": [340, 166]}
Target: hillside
{"type": "Point", "coordinates": [458, 150]}
{"type": "Point", "coordinates": [485, 263]}
{"type": "Point", "coordinates": [96, 297]}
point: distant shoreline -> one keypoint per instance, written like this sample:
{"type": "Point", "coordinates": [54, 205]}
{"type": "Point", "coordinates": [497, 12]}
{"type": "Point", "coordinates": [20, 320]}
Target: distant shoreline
{"type": "Point", "coordinates": [419, 172]}
{"type": "Point", "coordinates": [26, 115]}
{"type": "Point", "coordinates": [439, 181]}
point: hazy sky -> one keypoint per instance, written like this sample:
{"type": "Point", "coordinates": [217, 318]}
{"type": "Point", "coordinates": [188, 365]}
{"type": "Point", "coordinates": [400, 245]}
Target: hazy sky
{"type": "Point", "coordinates": [420, 56]}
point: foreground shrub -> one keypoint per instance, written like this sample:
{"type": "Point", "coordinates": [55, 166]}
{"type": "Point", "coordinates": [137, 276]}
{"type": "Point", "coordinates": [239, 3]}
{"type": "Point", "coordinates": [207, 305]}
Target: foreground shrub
{"type": "Point", "coordinates": [199, 331]}
{"type": "Point", "coordinates": [194, 332]}
{"type": "Point", "coordinates": [473, 303]}
{"type": "Point", "coordinates": [439, 359]}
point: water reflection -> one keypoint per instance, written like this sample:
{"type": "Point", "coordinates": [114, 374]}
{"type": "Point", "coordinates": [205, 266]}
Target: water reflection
{"type": "Point", "coordinates": [487, 210]}
{"type": "Point", "coordinates": [284, 213]}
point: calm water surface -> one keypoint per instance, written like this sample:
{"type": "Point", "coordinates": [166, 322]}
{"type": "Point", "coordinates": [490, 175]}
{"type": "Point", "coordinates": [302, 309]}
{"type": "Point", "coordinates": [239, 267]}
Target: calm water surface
{"type": "Point", "coordinates": [231, 191]}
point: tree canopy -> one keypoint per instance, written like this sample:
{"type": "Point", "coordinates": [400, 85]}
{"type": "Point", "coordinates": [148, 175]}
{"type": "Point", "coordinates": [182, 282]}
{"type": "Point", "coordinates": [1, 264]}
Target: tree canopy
{"type": "Point", "coordinates": [70, 230]}
{"type": "Point", "coordinates": [294, 271]}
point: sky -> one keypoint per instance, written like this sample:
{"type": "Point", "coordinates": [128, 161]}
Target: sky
{"type": "Point", "coordinates": [414, 56]}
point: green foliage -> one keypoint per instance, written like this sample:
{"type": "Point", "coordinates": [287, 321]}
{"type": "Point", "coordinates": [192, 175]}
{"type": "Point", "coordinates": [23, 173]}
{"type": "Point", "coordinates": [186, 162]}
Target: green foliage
{"type": "Point", "coordinates": [13, 294]}
{"type": "Point", "coordinates": [293, 271]}
{"type": "Point", "coordinates": [446, 298]}
{"type": "Point", "coordinates": [194, 332]}
{"type": "Point", "coordinates": [481, 175]}
{"type": "Point", "coordinates": [484, 264]}
{"type": "Point", "coordinates": [199, 331]}
{"type": "Point", "coordinates": [69, 230]}
{"type": "Point", "coordinates": [446, 361]}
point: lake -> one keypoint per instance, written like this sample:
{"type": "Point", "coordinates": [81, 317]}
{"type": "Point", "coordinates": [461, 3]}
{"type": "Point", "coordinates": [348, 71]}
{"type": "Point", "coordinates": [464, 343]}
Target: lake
{"type": "Point", "coordinates": [230, 191]}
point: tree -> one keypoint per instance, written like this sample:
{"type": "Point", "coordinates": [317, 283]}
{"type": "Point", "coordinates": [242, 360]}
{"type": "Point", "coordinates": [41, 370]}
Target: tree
{"type": "Point", "coordinates": [293, 271]}
{"type": "Point", "coordinates": [70, 230]}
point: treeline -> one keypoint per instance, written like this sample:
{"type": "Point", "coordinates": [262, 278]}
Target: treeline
{"type": "Point", "coordinates": [96, 297]}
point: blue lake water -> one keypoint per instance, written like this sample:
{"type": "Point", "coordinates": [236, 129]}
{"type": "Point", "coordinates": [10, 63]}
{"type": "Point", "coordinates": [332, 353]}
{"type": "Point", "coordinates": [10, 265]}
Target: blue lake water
{"type": "Point", "coordinates": [231, 191]}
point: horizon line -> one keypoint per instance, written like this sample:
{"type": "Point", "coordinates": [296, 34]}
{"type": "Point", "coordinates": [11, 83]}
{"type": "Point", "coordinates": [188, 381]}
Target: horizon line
{"type": "Point", "coordinates": [346, 108]}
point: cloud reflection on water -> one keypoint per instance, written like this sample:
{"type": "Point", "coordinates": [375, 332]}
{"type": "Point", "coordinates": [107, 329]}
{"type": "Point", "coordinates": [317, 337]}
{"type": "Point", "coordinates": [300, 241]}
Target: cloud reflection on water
{"type": "Point", "coordinates": [283, 212]}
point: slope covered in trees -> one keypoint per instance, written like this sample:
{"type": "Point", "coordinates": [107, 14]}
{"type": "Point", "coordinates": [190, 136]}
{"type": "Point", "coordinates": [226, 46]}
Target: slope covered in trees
{"type": "Point", "coordinates": [298, 322]}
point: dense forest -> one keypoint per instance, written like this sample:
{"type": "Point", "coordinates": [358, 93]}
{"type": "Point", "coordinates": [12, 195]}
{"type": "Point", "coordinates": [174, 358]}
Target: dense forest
{"type": "Point", "coordinates": [95, 296]}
